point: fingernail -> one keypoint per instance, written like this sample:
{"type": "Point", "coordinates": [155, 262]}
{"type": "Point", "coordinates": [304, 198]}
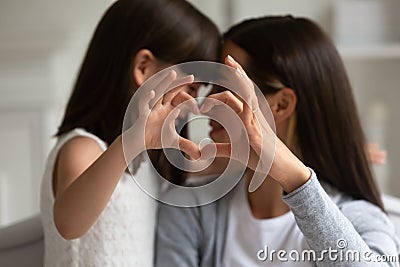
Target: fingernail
{"type": "Point", "coordinates": [205, 107]}
{"type": "Point", "coordinates": [230, 59]}
{"type": "Point", "coordinates": [196, 109]}
{"type": "Point", "coordinates": [249, 101]}
{"type": "Point", "coordinates": [205, 142]}
{"type": "Point", "coordinates": [178, 111]}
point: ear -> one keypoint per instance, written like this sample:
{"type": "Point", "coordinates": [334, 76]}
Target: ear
{"type": "Point", "coordinates": [145, 64]}
{"type": "Point", "coordinates": [283, 104]}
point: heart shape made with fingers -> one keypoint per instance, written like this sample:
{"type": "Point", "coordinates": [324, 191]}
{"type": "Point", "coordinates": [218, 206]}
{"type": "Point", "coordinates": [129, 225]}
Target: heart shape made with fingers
{"type": "Point", "coordinates": [162, 99]}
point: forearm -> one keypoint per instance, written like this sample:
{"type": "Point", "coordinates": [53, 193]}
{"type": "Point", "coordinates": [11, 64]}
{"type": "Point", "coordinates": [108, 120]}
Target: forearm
{"type": "Point", "coordinates": [291, 175]}
{"type": "Point", "coordinates": [365, 231]}
{"type": "Point", "coordinates": [326, 228]}
{"type": "Point", "coordinates": [286, 168]}
{"type": "Point", "coordinates": [78, 206]}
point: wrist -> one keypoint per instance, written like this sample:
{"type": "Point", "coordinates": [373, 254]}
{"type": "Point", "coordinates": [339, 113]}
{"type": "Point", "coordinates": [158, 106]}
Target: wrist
{"type": "Point", "coordinates": [295, 178]}
{"type": "Point", "coordinates": [288, 170]}
{"type": "Point", "coordinates": [131, 142]}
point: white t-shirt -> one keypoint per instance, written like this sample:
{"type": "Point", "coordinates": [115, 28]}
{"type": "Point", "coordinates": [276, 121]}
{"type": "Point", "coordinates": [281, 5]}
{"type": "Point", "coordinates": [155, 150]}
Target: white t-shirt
{"type": "Point", "coordinates": [255, 242]}
{"type": "Point", "coordinates": [122, 235]}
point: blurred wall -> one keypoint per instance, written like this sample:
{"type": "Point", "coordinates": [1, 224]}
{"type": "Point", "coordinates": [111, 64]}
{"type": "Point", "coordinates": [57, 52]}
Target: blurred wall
{"type": "Point", "coordinates": [42, 43]}
{"type": "Point", "coordinates": [41, 46]}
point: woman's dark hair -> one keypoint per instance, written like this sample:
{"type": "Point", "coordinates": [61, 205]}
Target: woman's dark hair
{"type": "Point", "coordinates": [298, 54]}
{"type": "Point", "coordinates": [173, 30]}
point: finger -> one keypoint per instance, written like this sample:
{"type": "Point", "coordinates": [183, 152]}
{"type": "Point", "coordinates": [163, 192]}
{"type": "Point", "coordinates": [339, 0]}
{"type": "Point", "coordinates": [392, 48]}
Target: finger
{"type": "Point", "coordinates": [379, 160]}
{"type": "Point", "coordinates": [222, 150]}
{"type": "Point", "coordinates": [178, 85]}
{"type": "Point", "coordinates": [173, 116]}
{"type": "Point", "coordinates": [372, 145]}
{"type": "Point", "coordinates": [170, 122]}
{"type": "Point", "coordinates": [188, 147]}
{"type": "Point", "coordinates": [375, 155]}
{"type": "Point", "coordinates": [144, 102]}
{"type": "Point", "coordinates": [185, 145]}
{"type": "Point", "coordinates": [230, 61]}
{"type": "Point", "coordinates": [244, 80]}
{"type": "Point", "coordinates": [186, 80]}
{"type": "Point", "coordinates": [163, 85]}
{"type": "Point", "coordinates": [247, 114]}
{"type": "Point", "coordinates": [222, 98]}
{"type": "Point", "coordinates": [169, 137]}
{"type": "Point", "coordinates": [187, 100]}
{"type": "Point", "coordinates": [379, 157]}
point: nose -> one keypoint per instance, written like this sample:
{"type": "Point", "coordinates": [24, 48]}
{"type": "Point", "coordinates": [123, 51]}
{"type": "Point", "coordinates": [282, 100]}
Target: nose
{"type": "Point", "coordinates": [193, 89]}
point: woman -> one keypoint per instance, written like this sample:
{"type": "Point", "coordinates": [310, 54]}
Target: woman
{"type": "Point", "coordinates": [319, 195]}
{"type": "Point", "coordinates": [93, 213]}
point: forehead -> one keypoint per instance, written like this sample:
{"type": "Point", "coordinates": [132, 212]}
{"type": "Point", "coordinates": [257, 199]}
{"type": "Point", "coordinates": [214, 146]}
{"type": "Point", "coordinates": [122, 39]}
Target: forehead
{"type": "Point", "coordinates": [238, 53]}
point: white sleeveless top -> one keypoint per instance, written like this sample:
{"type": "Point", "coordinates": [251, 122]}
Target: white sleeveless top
{"type": "Point", "coordinates": [123, 235]}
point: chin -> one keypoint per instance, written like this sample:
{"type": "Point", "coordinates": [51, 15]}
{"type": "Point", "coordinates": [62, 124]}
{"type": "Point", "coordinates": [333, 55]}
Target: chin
{"type": "Point", "coordinates": [219, 136]}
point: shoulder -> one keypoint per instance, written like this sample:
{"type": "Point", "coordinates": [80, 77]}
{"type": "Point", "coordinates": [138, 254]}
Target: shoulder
{"type": "Point", "coordinates": [337, 196]}
{"type": "Point", "coordinates": [79, 149]}
{"type": "Point", "coordinates": [80, 145]}
{"type": "Point", "coordinates": [73, 158]}
{"type": "Point", "coordinates": [366, 216]}
{"type": "Point", "coordinates": [370, 221]}
{"type": "Point", "coordinates": [79, 137]}
{"type": "Point", "coordinates": [359, 211]}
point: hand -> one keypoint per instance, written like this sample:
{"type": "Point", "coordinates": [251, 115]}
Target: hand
{"type": "Point", "coordinates": [245, 104]}
{"type": "Point", "coordinates": [375, 155]}
{"type": "Point", "coordinates": [155, 124]}
{"type": "Point", "coordinates": [268, 155]}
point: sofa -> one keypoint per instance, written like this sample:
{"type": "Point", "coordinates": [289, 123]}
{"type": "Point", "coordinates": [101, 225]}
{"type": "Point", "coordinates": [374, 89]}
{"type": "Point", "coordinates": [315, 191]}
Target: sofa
{"type": "Point", "coordinates": [22, 244]}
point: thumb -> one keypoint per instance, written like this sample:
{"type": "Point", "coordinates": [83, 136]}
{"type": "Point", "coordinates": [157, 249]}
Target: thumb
{"type": "Point", "coordinates": [219, 150]}
{"type": "Point", "coordinates": [189, 148]}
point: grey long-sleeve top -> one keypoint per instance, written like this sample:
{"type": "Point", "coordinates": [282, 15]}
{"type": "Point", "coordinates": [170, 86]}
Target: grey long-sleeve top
{"type": "Point", "coordinates": [194, 237]}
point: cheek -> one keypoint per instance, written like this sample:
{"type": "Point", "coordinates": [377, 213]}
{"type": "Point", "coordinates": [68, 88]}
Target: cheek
{"type": "Point", "coordinates": [230, 122]}
{"type": "Point", "coordinates": [192, 93]}
{"type": "Point", "coordinates": [269, 99]}
{"type": "Point", "coordinates": [220, 137]}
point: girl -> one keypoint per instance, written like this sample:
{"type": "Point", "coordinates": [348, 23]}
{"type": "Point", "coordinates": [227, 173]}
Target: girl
{"type": "Point", "coordinates": [87, 197]}
{"type": "Point", "coordinates": [319, 195]}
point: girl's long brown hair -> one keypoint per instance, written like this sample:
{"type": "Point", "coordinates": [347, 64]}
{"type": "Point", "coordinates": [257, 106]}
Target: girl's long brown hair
{"type": "Point", "coordinates": [296, 52]}
{"type": "Point", "coordinates": [173, 30]}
